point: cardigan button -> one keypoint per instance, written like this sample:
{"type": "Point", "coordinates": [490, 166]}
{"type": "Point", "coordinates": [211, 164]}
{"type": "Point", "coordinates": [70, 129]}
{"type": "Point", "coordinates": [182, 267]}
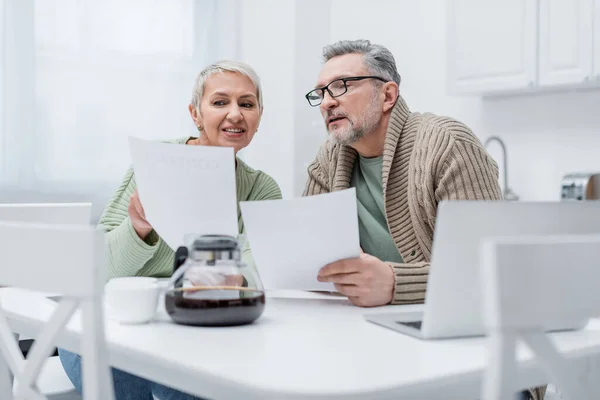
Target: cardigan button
{"type": "Point", "coordinates": [412, 253]}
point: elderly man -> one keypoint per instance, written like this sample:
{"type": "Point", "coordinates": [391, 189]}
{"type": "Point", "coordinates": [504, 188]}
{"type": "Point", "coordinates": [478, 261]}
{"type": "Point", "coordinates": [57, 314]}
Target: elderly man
{"type": "Point", "coordinates": [402, 165]}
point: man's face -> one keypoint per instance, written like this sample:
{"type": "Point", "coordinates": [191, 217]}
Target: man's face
{"type": "Point", "coordinates": [357, 112]}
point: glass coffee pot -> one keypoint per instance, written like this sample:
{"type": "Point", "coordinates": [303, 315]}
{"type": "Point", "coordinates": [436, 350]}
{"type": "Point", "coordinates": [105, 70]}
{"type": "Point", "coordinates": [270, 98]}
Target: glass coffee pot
{"type": "Point", "coordinates": [211, 285]}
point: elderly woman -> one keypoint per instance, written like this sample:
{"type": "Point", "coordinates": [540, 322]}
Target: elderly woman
{"type": "Point", "coordinates": [226, 107]}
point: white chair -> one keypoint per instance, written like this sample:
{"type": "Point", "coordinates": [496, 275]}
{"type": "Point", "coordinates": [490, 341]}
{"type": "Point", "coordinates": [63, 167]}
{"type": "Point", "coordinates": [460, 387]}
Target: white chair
{"type": "Point", "coordinates": [53, 379]}
{"type": "Point", "coordinates": [62, 259]}
{"type": "Point", "coordinates": [529, 284]}
{"type": "Point", "coordinates": [47, 213]}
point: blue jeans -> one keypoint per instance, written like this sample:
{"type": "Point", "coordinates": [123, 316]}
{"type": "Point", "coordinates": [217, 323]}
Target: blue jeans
{"type": "Point", "coordinates": [127, 386]}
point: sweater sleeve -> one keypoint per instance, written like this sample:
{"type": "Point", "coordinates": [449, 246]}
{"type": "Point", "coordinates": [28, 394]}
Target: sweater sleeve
{"type": "Point", "coordinates": [317, 182]}
{"type": "Point", "coordinates": [127, 253]}
{"type": "Point", "coordinates": [466, 172]}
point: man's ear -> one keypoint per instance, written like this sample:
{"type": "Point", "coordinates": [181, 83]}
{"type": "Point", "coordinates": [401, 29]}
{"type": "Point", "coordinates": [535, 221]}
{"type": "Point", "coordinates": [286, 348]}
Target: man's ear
{"type": "Point", "coordinates": [391, 93]}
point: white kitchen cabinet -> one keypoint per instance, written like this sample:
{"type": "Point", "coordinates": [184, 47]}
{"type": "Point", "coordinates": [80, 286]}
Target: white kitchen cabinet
{"type": "Point", "coordinates": [566, 42]}
{"type": "Point", "coordinates": [491, 45]}
{"type": "Point", "coordinates": [597, 39]}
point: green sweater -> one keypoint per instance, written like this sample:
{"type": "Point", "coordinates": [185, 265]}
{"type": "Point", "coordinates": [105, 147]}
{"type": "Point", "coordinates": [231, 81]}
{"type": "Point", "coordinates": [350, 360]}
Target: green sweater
{"type": "Point", "coordinates": [128, 255]}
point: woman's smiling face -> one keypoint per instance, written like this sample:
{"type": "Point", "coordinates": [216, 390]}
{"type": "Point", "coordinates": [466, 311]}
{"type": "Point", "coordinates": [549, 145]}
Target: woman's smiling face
{"type": "Point", "coordinates": [229, 112]}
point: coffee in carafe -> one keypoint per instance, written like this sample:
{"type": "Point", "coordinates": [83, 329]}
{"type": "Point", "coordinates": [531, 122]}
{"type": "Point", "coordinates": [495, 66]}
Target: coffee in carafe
{"type": "Point", "coordinates": [212, 286]}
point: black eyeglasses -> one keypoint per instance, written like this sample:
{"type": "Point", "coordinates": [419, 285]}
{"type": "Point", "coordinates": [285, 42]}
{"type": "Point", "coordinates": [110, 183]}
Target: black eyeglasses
{"type": "Point", "coordinates": [335, 88]}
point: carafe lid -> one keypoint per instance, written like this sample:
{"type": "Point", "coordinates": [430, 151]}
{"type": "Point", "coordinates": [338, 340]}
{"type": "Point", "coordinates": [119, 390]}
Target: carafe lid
{"type": "Point", "coordinates": [213, 247]}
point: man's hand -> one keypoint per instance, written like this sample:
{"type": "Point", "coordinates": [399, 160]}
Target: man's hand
{"type": "Point", "coordinates": [366, 280]}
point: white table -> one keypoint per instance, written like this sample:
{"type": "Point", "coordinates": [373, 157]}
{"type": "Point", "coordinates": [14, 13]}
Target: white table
{"type": "Point", "coordinates": [299, 348]}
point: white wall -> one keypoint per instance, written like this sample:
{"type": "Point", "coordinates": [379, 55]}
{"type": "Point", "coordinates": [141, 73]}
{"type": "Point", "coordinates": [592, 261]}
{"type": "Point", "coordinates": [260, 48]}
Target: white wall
{"type": "Point", "coordinates": [282, 41]}
{"type": "Point", "coordinates": [266, 43]}
{"type": "Point", "coordinates": [547, 135]}
{"type": "Point", "coordinates": [312, 33]}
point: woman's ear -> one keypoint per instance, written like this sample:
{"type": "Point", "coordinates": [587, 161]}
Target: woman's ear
{"type": "Point", "coordinates": [196, 117]}
{"type": "Point", "coordinates": [259, 118]}
{"type": "Point", "coordinates": [391, 93]}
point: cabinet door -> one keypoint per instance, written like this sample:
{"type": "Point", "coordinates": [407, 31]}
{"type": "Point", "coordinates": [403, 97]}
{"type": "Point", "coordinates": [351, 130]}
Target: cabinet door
{"type": "Point", "coordinates": [491, 45]}
{"type": "Point", "coordinates": [597, 39]}
{"type": "Point", "coordinates": [566, 41]}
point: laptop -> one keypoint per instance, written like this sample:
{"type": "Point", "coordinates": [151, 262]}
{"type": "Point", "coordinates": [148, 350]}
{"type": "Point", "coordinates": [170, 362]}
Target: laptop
{"type": "Point", "coordinates": [47, 213]}
{"type": "Point", "coordinates": [453, 302]}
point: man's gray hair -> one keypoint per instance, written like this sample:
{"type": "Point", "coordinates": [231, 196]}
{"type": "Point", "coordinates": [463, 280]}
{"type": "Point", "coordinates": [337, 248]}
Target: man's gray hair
{"type": "Point", "coordinates": [225, 66]}
{"type": "Point", "coordinates": [378, 59]}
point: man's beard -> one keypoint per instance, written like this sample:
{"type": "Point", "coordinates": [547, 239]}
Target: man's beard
{"type": "Point", "coordinates": [366, 123]}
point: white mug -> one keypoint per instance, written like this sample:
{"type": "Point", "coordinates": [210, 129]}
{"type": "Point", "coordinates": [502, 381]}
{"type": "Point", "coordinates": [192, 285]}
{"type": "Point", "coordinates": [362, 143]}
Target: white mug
{"type": "Point", "coordinates": [131, 300]}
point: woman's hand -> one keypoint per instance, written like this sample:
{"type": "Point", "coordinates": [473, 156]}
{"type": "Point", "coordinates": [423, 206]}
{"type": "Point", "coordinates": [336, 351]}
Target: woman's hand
{"type": "Point", "coordinates": [137, 216]}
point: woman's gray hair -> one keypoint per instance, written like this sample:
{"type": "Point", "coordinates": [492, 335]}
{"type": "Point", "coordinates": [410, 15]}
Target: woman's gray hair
{"type": "Point", "coordinates": [378, 59]}
{"type": "Point", "coordinates": [225, 66]}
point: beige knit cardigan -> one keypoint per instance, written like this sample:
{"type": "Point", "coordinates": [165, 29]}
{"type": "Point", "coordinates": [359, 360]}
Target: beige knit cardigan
{"type": "Point", "coordinates": [426, 159]}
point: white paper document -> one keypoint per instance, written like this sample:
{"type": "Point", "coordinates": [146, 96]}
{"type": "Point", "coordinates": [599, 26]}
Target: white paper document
{"type": "Point", "coordinates": [291, 240]}
{"type": "Point", "coordinates": [304, 295]}
{"type": "Point", "coordinates": [185, 189]}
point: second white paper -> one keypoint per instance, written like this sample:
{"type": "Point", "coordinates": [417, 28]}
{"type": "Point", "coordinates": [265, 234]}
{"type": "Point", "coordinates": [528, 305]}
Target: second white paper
{"type": "Point", "coordinates": [291, 240]}
{"type": "Point", "coordinates": [185, 189]}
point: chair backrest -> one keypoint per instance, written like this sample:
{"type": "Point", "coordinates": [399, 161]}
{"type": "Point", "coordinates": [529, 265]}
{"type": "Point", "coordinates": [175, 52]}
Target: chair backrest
{"type": "Point", "coordinates": [531, 283]}
{"type": "Point", "coordinates": [64, 259]}
{"type": "Point", "coordinates": [539, 281]}
{"type": "Point", "coordinates": [48, 213]}
{"type": "Point", "coordinates": [67, 259]}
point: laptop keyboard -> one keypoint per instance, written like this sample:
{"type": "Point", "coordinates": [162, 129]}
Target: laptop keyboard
{"type": "Point", "coordinates": [412, 324]}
